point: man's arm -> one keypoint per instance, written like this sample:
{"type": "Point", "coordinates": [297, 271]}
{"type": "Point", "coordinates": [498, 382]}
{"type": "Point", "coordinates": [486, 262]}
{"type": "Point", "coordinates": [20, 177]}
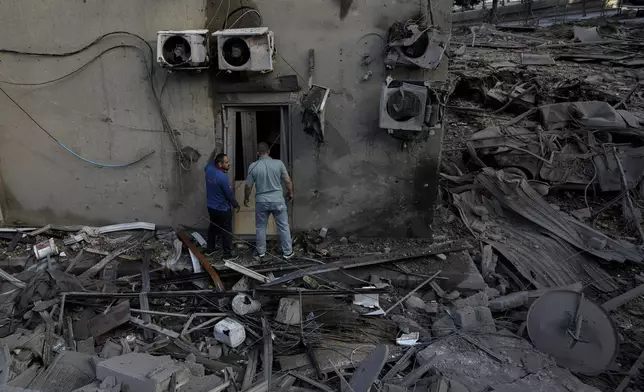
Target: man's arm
{"type": "Point", "coordinates": [287, 181]}
{"type": "Point", "coordinates": [247, 190]}
{"type": "Point", "coordinates": [230, 195]}
{"type": "Point", "coordinates": [250, 181]}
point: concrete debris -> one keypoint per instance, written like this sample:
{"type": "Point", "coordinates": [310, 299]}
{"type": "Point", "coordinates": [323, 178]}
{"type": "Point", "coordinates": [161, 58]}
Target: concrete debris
{"type": "Point", "coordinates": [289, 312]}
{"type": "Point", "coordinates": [114, 317]}
{"type": "Point", "coordinates": [414, 302]}
{"type": "Point", "coordinates": [510, 301]}
{"type": "Point", "coordinates": [443, 326]}
{"type": "Point", "coordinates": [479, 299]}
{"type": "Point", "coordinates": [542, 171]}
{"type": "Point", "coordinates": [471, 319]}
{"type": "Point", "coordinates": [144, 372]}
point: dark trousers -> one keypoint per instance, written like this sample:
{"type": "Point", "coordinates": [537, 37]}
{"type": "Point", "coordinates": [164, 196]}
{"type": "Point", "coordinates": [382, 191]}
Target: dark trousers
{"type": "Point", "coordinates": [221, 225]}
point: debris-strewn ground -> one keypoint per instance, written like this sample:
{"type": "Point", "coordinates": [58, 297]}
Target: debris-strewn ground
{"type": "Point", "coordinates": [533, 280]}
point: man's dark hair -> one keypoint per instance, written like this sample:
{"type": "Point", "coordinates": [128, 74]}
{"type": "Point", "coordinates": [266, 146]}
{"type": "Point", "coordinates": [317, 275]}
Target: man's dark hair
{"type": "Point", "coordinates": [220, 158]}
{"type": "Point", "coordinates": [263, 148]}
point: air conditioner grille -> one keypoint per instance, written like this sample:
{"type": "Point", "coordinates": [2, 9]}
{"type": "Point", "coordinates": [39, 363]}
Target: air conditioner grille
{"type": "Point", "coordinates": [403, 106]}
{"type": "Point", "coordinates": [236, 51]}
{"type": "Point", "coordinates": [176, 50]}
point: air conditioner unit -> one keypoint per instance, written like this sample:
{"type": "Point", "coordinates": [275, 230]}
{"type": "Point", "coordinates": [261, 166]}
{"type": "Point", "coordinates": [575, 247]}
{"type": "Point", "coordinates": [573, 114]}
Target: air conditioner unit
{"type": "Point", "coordinates": [184, 49]}
{"type": "Point", "coordinates": [421, 48]}
{"type": "Point", "coordinates": [245, 49]}
{"type": "Point", "coordinates": [403, 106]}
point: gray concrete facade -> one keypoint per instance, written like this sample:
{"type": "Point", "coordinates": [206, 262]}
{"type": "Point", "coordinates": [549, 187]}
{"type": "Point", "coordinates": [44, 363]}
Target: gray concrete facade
{"type": "Point", "coordinates": [359, 180]}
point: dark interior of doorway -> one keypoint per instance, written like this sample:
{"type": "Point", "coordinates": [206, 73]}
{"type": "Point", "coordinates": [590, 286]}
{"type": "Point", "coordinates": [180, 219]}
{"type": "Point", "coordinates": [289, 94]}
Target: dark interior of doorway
{"type": "Point", "coordinates": [268, 131]}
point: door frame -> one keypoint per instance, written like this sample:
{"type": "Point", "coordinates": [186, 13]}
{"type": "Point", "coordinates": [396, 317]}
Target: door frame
{"type": "Point", "coordinates": [229, 117]}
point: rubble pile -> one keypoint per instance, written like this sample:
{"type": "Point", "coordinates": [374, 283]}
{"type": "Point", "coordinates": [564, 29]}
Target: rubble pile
{"type": "Point", "coordinates": [543, 167]}
{"type": "Point", "coordinates": [532, 280]}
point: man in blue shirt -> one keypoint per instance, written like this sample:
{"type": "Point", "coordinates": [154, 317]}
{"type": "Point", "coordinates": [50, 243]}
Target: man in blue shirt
{"type": "Point", "coordinates": [221, 200]}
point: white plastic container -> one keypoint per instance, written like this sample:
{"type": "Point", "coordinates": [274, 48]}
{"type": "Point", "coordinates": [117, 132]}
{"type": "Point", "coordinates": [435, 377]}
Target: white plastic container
{"type": "Point", "coordinates": [230, 332]}
{"type": "Point", "coordinates": [45, 248]}
{"type": "Point", "coordinates": [243, 304]}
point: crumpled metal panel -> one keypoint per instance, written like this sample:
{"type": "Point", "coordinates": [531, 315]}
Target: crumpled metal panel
{"type": "Point", "coordinates": [517, 195]}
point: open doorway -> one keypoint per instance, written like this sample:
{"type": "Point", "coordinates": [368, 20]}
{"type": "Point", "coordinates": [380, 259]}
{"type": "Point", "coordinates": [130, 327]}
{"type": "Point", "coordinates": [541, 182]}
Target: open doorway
{"type": "Point", "coordinates": [246, 126]}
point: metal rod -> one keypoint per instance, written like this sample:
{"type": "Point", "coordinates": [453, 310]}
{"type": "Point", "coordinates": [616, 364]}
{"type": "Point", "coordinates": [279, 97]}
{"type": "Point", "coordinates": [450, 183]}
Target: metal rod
{"type": "Point", "coordinates": [413, 291]}
{"type": "Point", "coordinates": [159, 313]}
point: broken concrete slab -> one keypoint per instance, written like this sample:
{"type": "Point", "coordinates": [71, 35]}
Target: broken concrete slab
{"type": "Point", "coordinates": [472, 319]}
{"type": "Point", "coordinates": [138, 372]}
{"type": "Point", "coordinates": [414, 302]}
{"type": "Point", "coordinates": [86, 346]}
{"type": "Point", "coordinates": [551, 380]}
{"type": "Point", "coordinates": [111, 349]}
{"type": "Point", "coordinates": [196, 369]}
{"type": "Point", "coordinates": [443, 326]}
{"type": "Point", "coordinates": [202, 384]}
{"type": "Point", "coordinates": [462, 273]}
{"type": "Point", "coordinates": [456, 358]}
{"type": "Point", "coordinates": [431, 307]}
{"type": "Point", "coordinates": [115, 317]}
{"type": "Point", "coordinates": [478, 299]}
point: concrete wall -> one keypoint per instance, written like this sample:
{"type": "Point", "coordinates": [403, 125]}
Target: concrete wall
{"type": "Point", "coordinates": [360, 180]}
{"type": "Point", "coordinates": [104, 112]}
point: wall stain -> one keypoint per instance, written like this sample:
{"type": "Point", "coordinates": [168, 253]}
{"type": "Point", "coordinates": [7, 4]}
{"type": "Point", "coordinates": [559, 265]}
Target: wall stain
{"type": "Point", "coordinates": [345, 6]}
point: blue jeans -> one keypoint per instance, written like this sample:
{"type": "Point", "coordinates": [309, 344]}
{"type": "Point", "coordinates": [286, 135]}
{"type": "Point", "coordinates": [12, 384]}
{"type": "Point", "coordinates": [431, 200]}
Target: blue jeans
{"type": "Point", "coordinates": [280, 214]}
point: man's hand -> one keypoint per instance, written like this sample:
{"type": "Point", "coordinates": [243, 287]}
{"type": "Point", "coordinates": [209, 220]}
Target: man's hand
{"type": "Point", "coordinates": [289, 196]}
{"type": "Point", "coordinates": [247, 202]}
{"type": "Point", "coordinates": [237, 209]}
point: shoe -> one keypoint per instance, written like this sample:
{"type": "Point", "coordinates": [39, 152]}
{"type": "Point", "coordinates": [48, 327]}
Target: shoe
{"type": "Point", "coordinates": [288, 256]}
{"type": "Point", "coordinates": [230, 258]}
{"type": "Point", "coordinates": [210, 253]}
{"type": "Point", "coordinates": [258, 257]}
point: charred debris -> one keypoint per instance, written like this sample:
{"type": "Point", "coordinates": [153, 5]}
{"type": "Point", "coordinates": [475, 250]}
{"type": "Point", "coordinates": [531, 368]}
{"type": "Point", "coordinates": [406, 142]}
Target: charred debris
{"type": "Point", "coordinates": [532, 281]}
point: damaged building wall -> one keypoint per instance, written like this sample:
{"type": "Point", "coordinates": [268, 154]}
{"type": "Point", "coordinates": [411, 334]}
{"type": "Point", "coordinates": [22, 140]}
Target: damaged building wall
{"type": "Point", "coordinates": [360, 174]}
{"type": "Point", "coordinates": [105, 112]}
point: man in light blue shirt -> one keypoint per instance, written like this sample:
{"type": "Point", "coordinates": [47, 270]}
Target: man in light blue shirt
{"type": "Point", "coordinates": [267, 175]}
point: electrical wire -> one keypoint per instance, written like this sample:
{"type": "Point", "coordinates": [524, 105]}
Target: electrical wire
{"type": "Point", "coordinates": [77, 51]}
{"type": "Point", "coordinates": [164, 119]}
{"type": "Point", "coordinates": [227, 15]}
{"type": "Point", "coordinates": [244, 14]}
{"type": "Point", "coordinates": [67, 148]}
{"type": "Point", "coordinates": [236, 10]}
{"type": "Point", "coordinates": [215, 14]}
{"type": "Point", "coordinates": [96, 57]}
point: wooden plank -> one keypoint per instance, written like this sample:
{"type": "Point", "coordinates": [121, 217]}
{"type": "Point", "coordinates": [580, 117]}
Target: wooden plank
{"type": "Point", "coordinates": [620, 300]}
{"type": "Point", "coordinates": [631, 373]}
{"type": "Point", "coordinates": [204, 262]}
{"type": "Point", "coordinates": [103, 263]}
{"type": "Point", "coordinates": [251, 368]}
{"type": "Point", "coordinates": [143, 297]}
{"type": "Point", "coordinates": [284, 83]}
{"type": "Point", "coordinates": [248, 137]}
{"type": "Point", "coordinates": [103, 323]}
{"type": "Point", "coordinates": [153, 327]}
